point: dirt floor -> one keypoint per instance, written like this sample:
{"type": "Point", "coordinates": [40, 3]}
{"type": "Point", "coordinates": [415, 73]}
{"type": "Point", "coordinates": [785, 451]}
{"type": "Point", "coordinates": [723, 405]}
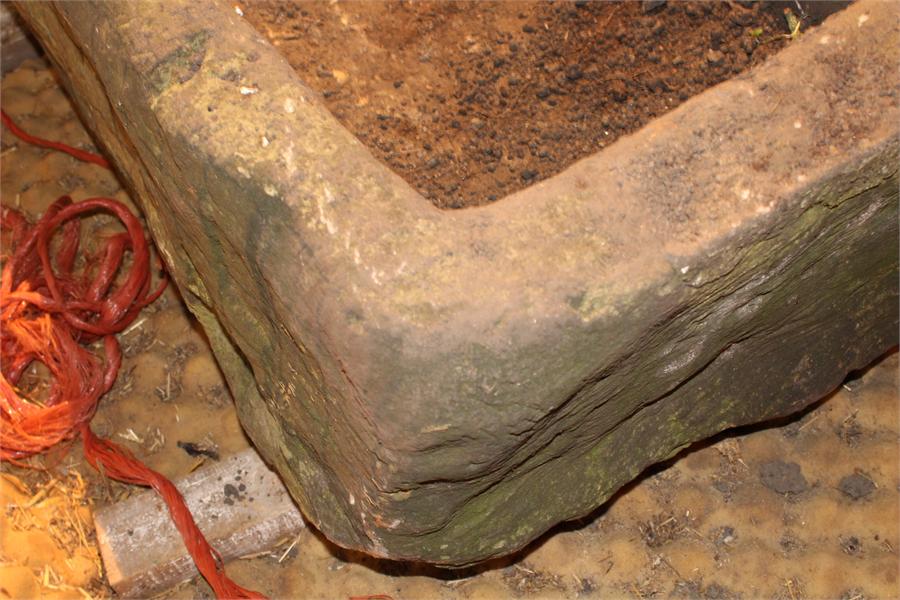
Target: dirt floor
{"type": "Point", "coordinates": [807, 508]}
{"type": "Point", "coordinates": [470, 101]}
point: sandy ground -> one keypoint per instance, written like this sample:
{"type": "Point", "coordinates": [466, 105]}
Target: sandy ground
{"type": "Point", "coordinates": [806, 508]}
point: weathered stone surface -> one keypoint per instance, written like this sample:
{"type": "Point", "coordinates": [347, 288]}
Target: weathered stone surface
{"type": "Point", "coordinates": [445, 386]}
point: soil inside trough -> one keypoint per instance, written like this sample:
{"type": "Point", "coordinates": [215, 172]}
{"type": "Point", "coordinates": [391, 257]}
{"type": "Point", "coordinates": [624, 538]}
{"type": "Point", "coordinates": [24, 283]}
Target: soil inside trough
{"type": "Point", "coordinates": [471, 101]}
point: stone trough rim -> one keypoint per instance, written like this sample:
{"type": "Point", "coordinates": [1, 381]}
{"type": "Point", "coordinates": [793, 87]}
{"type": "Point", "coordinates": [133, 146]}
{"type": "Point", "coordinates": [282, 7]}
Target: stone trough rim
{"type": "Point", "coordinates": [660, 252]}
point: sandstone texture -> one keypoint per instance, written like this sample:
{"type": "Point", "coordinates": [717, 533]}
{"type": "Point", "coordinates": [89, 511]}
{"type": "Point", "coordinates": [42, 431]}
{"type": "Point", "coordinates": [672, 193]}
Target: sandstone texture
{"type": "Point", "coordinates": [444, 386]}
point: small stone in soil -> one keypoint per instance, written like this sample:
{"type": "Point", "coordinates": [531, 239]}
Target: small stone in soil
{"type": "Point", "coordinates": [715, 58]}
{"type": "Point", "coordinates": [529, 175]}
{"type": "Point", "coordinates": [651, 5]}
{"type": "Point", "coordinates": [851, 545]}
{"type": "Point", "coordinates": [724, 535]}
{"type": "Point", "coordinates": [856, 486]}
{"type": "Point", "coordinates": [783, 477]}
{"type": "Point", "coordinates": [658, 85]}
{"type": "Point", "coordinates": [573, 73]}
{"type": "Point", "coordinates": [618, 90]}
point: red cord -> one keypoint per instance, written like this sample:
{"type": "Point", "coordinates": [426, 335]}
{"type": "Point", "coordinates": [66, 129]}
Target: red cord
{"type": "Point", "coordinates": [36, 141]}
{"type": "Point", "coordinates": [47, 316]}
{"type": "Point", "coordinates": [119, 464]}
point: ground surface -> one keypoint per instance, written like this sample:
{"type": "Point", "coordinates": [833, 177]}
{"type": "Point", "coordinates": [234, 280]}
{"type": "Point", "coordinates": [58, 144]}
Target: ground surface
{"type": "Point", "coordinates": [804, 509]}
{"type": "Point", "coordinates": [470, 101]}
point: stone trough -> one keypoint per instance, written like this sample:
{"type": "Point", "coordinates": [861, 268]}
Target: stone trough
{"type": "Point", "coordinates": [444, 386]}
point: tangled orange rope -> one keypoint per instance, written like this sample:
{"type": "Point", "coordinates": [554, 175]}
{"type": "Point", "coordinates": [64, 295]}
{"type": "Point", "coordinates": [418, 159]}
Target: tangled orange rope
{"type": "Point", "coordinates": [49, 313]}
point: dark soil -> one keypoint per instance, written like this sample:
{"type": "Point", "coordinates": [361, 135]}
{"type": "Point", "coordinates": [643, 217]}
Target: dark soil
{"type": "Point", "coordinates": [856, 486]}
{"type": "Point", "coordinates": [472, 101]}
{"type": "Point", "coordinates": [783, 477]}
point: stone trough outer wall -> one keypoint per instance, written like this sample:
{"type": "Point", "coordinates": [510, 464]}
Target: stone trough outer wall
{"type": "Point", "coordinates": [445, 386]}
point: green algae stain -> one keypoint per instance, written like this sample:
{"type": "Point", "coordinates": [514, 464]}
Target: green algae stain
{"type": "Point", "coordinates": [180, 65]}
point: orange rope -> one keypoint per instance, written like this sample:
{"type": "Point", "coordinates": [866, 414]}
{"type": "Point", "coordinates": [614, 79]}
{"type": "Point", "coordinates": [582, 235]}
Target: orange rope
{"type": "Point", "coordinates": [48, 316]}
